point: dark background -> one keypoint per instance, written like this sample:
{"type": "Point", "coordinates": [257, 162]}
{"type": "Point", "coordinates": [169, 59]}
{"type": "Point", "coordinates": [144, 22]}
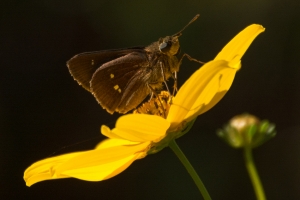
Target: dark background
{"type": "Point", "coordinates": [43, 112]}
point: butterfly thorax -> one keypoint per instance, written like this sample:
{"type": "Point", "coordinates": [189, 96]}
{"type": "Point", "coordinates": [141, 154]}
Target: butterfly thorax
{"type": "Point", "coordinates": [163, 59]}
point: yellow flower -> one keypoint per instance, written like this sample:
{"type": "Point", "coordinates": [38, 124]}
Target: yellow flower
{"type": "Point", "coordinates": [109, 158]}
{"type": "Point", "coordinates": [207, 86]}
{"type": "Point", "coordinates": [135, 134]}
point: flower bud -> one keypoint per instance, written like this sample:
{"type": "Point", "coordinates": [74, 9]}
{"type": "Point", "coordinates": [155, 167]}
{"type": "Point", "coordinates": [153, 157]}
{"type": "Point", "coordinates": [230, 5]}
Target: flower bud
{"type": "Point", "coordinates": [247, 130]}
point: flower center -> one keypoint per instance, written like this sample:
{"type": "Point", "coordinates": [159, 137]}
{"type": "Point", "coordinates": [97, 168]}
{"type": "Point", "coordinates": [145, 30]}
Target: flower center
{"type": "Point", "coordinates": [158, 105]}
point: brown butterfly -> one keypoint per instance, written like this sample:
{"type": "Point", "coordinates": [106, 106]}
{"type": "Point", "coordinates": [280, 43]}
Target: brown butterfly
{"type": "Point", "coordinates": [121, 79]}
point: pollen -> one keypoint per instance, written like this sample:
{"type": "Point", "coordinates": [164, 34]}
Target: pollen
{"type": "Point", "coordinates": [112, 75]}
{"type": "Point", "coordinates": [119, 90]}
{"type": "Point", "coordinates": [159, 105]}
{"type": "Point", "coordinates": [116, 87]}
{"type": "Point", "coordinates": [93, 62]}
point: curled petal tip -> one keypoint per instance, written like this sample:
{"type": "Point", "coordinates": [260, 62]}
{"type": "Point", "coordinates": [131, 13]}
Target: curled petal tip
{"type": "Point", "coordinates": [240, 43]}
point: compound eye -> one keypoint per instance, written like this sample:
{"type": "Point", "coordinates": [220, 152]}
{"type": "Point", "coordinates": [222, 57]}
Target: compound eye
{"type": "Point", "coordinates": [165, 47]}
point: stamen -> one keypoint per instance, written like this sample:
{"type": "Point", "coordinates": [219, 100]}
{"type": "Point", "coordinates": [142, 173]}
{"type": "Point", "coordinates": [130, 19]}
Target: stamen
{"type": "Point", "coordinates": [158, 105]}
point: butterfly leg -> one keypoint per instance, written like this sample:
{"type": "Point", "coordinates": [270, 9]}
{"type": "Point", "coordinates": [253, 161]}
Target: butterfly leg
{"type": "Point", "coordinates": [174, 76]}
{"type": "Point", "coordinates": [163, 76]}
{"type": "Point", "coordinates": [175, 89]}
{"type": "Point", "coordinates": [151, 94]}
{"type": "Point", "coordinates": [190, 58]}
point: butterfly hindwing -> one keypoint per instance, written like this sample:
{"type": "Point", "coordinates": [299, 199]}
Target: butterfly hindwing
{"type": "Point", "coordinates": [83, 66]}
{"type": "Point", "coordinates": [115, 83]}
{"type": "Point", "coordinates": [136, 91]}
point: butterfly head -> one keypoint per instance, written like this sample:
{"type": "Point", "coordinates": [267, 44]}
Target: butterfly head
{"type": "Point", "coordinates": [169, 45]}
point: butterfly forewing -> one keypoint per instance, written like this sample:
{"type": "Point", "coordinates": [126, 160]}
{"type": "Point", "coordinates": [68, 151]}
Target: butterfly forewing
{"type": "Point", "coordinates": [83, 66]}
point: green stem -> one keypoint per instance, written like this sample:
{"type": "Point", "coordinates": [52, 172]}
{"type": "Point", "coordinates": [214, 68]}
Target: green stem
{"type": "Point", "coordinates": [190, 169]}
{"type": "Point", "coordinates": [258, 188]}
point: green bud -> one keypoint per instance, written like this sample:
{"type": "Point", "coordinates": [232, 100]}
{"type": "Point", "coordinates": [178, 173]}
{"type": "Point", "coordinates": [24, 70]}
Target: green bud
{"type": "Point", "coordinates": [246, 130]}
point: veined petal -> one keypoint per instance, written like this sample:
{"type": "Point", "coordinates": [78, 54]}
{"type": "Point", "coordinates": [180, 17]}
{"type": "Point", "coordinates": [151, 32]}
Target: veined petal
{"type": "Point", "coordinates": [107, 143]}
{"type": "Point", "coordinates": [103, 171]}
{"type": "Point", "coordinates": [45, 169]}
{"type": "Point", "coordinates": [207, 86]}
{"type": "Point", "coordinates": [138, 128]}
{"type": "Point", "coordinates": [43, 176]}
{"type": "Point", "coordinates": [202, 88]}
{"type": "Point", "coordinates": [100, 157]}
{"type": "Point", "coordinates": [240, 43]}
{"type": "Point", "coordinates": [108, 133]}
{"type": "Point", "coordinates": [213, 93]}
{"type": "Point", "coordinates": [109, 161]}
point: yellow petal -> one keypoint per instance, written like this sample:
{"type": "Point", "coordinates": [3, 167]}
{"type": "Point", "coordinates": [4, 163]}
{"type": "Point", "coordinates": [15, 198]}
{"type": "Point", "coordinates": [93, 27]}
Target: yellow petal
{"type": "Point", "coordinates": [138, 128]}
{"type": "Point", "coordinates": [45, 169]}
{"type": "Point", "coordinates": [99, 157]}
{"type": "Point", "coordinates": [103, 171]}
{"type": "Point", "coordinates": [93, 165]}
{"type": "Point", "coordinates": [35, 178]}
{"type": "Point", "coordinates": [108, 133]}
{"type": "Point", "coordinates": [107, 143]}
{"type": "Point", "coordinates": [200, 90]}
{"type": "Point", "coordinates": [240, 43]}
{"type": "Point", "coordinates": [207, 86]}
{"type": "Point", "coordinates": [213, 93]}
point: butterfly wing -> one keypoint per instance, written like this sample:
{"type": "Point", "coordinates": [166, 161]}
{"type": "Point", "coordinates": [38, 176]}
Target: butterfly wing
{"type": "Point", "coordinates": [121, 84]}
{"type": "Point", "coordinates": [83, 66]}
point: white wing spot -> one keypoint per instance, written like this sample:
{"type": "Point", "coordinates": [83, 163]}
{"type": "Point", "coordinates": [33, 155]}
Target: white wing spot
{"type": "Point", "coordinates": [116, 87]}
{"type": "Point", "coordinates": [112, 75]}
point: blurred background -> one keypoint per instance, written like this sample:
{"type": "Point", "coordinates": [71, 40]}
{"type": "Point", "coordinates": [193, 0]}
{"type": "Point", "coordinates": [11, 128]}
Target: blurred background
{"type": "Point", "coordinates": [44, 112]}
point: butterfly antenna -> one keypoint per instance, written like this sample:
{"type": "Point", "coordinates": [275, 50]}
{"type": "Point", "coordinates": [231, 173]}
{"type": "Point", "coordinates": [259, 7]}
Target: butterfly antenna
{"type": "Point", "coordinates": [194, 19]}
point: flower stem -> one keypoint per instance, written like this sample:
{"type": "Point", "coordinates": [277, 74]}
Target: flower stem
{"type": "Point", "coordinates": [258, 188]}
{"type": "Point", "coordinates": [190, 169]}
